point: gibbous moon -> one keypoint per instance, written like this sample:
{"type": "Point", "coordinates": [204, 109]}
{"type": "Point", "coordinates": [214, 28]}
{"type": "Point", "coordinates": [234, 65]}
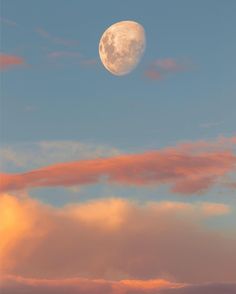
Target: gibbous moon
{"type": "Point", "coordinates": [122, 46]}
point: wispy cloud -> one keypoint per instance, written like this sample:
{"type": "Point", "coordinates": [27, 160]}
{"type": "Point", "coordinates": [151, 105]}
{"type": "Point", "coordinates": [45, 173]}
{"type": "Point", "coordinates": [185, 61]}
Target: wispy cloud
{"type": "Point", "coordinates": [71, 56]}
{"type": "Point", "coordinates": [61, 54]}
{"type": "Point", "coordinates": [185, 169]}
{"type": "Point", "coordinates": [8, 22]}
{"type": "Point", "coordinates": [57, 40]}
{"type": "Point", "coordinates": [209, 125]}
{"type": "Point", "coordinates": [23, 156]}
{"type": "Point", "coordinates": [161, 68]}
{"type": "Point", "coordinates": [10, 61]}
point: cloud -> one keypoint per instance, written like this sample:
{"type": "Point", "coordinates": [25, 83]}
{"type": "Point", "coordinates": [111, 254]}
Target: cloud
{"type": "Point", "coordinates": [61, 41]}
{"type": "Point", "coordinates": [72, 56]}
{"type": "Point", "coordinates": [113, 239]}
{"type": "Point", "coordinates": [61, 54]}
{"type": "Point", "coordinates": [153, 74]}
{"type": "Point", "coordinates": [185, 169]}
{"type": "Point", "coordinates": [8, 22]}
{"type": "Point", "coordinates": [160, 68]}
{"type": "Point", "coordinates": [9, 61]}
{"type": "Point", "coordinates": [14, 285]}
{"type": "Point", "coordinates": [23, 156]}
{"type": "Point", "coordinates": [210, 124]}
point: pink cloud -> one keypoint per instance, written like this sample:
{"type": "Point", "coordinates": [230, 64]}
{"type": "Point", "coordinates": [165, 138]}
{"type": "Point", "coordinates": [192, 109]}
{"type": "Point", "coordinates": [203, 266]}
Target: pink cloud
{"type": "Point", "coordinates": [9, 61]}
{"type": "Point", "coordinates": [162, 67]}
{"type": "Point", "coordinates": [169, 64]}
{"type": "Point", "coordinates": [186, 171]}
{"type": "Point", "coordinates": [153, 74]}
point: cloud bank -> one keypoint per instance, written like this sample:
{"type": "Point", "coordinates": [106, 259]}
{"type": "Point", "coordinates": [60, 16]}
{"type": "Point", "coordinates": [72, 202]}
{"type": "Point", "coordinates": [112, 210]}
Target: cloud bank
{"type": "Point", "coordinates": [115, 239]}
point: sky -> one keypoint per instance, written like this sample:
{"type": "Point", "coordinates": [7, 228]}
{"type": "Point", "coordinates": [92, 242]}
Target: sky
{"type": "Point", "coordinates": [117, 184]}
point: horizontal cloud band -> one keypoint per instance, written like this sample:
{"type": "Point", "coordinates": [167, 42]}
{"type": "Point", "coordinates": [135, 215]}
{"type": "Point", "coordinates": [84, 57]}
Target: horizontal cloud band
{"type": "Point", "coordinates": [184, 169]}
{"type": "Point", "coordinates": [14, 285]}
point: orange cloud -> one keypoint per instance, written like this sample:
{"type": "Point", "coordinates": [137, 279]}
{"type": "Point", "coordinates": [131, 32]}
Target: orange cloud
{"type": "Point", "coordinates": [113, 239]}
{"type": "Point", "coordinates": [11, 284]}
{"type": "Point", "coordinates": [8, 61]}
{"type": "Point", "coordinates": [184, 168]}
{"type": "Point", "coordinates": [17, 284]}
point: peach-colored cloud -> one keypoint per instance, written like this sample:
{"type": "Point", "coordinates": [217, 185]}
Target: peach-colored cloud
{"type": "Point", "coordinates": [207, 209]}
{"type": "Point", "coordinates": [183, 168]}
{"type": "Point", "coordinates": [8, 61]}
{"type": "Point", "coordinates": [113, 239]}
{"type": "Point", "coordinates": [215, 208]}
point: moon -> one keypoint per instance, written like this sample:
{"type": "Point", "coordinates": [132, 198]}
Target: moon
{"type": "Point", "coordinates": [122, 46]}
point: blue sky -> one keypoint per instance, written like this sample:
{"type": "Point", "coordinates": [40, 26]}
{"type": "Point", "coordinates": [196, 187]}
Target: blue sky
{"type": "Point", "coordinates": [66, 99]}
{"type": "Point", "coordinates": [71, 101]}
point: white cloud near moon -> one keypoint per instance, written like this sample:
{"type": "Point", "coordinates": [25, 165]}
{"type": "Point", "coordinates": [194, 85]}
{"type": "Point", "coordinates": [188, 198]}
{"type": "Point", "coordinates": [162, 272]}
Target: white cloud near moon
{"type": "Point", "coordinates": [121, 47]}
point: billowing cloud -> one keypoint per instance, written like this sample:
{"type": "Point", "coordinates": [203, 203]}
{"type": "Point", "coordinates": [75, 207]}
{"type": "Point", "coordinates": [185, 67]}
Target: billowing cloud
{"type": "Point", "coordinates": [114, 239]}
{"type": "Point", "coordinates": [189, 168]}
{"type": "Point", "coordinates": [9, 61]}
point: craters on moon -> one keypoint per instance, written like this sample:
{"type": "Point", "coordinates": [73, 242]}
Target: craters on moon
{"type": "Point", "coordinates": [122, 46]}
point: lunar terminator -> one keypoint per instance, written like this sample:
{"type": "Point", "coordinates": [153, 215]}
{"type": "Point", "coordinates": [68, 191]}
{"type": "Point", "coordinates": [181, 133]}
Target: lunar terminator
{"type": "Point", "coordinates": [122, 46]}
